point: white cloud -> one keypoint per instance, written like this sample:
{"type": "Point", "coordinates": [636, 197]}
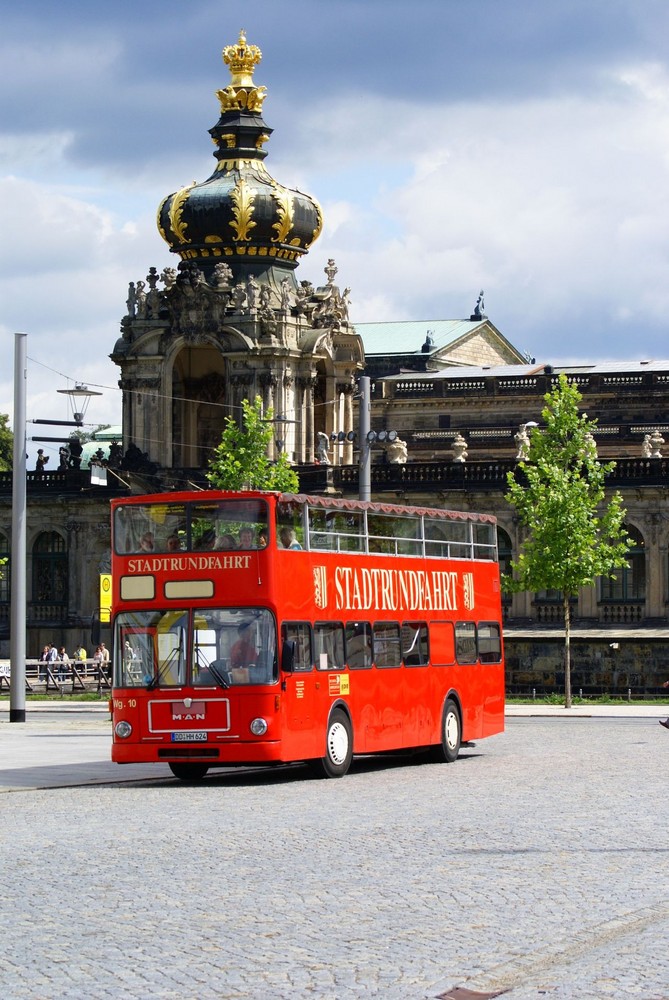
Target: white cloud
{"type": "Point", "coordinates": [558, 207]}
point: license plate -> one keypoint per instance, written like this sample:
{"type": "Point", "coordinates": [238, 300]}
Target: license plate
{"type": "Point", "coordinates": [189, 737]}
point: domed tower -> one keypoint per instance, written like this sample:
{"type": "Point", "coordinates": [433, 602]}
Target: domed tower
{"type": "Point", "coordinates": [240, 214]}
{"type": "Point", "coordinates": [231, 321]}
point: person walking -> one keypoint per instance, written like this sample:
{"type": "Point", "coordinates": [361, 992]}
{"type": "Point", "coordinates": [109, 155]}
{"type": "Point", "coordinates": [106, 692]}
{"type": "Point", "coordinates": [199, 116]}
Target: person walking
{"type": "Point", "coordinates": [44, 659]}
{"type": "Point", "coordinates": [665, 722]}
{"type": "Point", "coordinates": [63, 660]}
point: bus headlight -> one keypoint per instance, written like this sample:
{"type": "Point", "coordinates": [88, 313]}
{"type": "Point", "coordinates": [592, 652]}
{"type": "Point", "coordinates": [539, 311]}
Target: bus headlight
{"type": "Point", "coordinates": [258, 727]}
{"type": "Point", "coordinates": [123, 729]}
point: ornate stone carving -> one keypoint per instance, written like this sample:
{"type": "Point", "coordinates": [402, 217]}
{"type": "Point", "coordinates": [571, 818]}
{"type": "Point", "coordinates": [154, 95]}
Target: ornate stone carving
{"type": "Point", "coordinates": [397, 452]}
{"type": "Point", "coordinates": [459, 447]}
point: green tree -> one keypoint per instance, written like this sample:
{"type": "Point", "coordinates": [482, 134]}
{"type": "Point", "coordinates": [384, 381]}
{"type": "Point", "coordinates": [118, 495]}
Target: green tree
{"type": "Point", "coordinates": [574, 534]}
{"type": "Point", "coordinates": [240, 461]}
{"type": "Point", "coordinates": [6, 444]}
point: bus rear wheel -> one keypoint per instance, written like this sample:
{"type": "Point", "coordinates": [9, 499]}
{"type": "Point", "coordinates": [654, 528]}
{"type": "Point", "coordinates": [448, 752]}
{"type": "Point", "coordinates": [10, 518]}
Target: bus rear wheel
{"type": "Point", "coordinates": [338, 747]}
{"type": "Point", "coordinates": [189, 772]}
{"type": "Point", "coordinates": [451, 734]}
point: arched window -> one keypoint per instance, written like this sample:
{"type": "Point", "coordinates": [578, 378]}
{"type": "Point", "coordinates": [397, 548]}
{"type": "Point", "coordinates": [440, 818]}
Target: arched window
{"type": "Point", "coordinates": [49, 569]}
{"type": "Point", "coordinates": [630, 581]}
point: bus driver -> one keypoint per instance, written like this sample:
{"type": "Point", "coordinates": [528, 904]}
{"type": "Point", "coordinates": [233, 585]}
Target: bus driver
{"type": "Point", "coordinates": [243, 653]}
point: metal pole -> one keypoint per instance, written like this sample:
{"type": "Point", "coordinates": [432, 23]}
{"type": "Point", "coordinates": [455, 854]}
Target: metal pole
{"type": "Point", "coordinates": [364, 423]}
{"type": "Point", "coordinates": [17, 645]}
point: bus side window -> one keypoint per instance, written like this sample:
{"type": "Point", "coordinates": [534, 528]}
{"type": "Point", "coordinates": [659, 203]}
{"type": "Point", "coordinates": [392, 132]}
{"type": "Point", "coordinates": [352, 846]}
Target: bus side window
{"type": "Point", "coordinates": [490, 643]}
{"type": "Point", "coordinates": [358, 645]}
{"type": "Point", "coordinates": [414, 644]}
{"type": "Point", "coordinates": [300, 634]}
{"type": "Point", "coordinates": [465, 642]}
{"type": "Point", "coordinates": [329, 645]}
{"type": "Point", "coordinates": [387, 651]}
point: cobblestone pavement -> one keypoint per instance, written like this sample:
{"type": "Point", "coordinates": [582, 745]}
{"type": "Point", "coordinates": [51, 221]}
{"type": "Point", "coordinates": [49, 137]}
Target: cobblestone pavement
{"type": "Point", "coordinates": [537, 864]}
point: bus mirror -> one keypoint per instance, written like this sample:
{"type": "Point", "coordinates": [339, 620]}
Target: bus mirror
{"type": "Point", "coordinates": [288, 656]}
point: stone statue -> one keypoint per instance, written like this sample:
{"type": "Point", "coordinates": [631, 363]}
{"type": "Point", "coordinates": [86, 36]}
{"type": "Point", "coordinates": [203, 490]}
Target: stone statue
{"type": "Point", "coordinates": [222, 276]}
{"type": "Point", "coordinates": [140, 300]}
{"type": "Point", "coordinates": [115, 454]}
{"type": "Point", "coordinates": [252, 289]}
{"type": "Point", "coordinates": [330, 271]}
{"type": "Point", "coordinates": [478, 308]}
{"type": "Point", "coordinates": [397, 452]}
{"type": "Point", "coordinates": [285, 295]}
{"type": "Point", "coordinates": [459, 447]}
{"type": "Point", "coordinates": [646, 447]}
{"type": "Point", "coordinates": [131, 301]}
{"type": "Point", "coordinates": [322, 445]}
{"type": "Point", "coordinates": [238, 298]}
{"type": "Point", "coordinates": [42, 459]}
{"type": "Point", "coordinates": [303, 294]}
{"type": "Point", "coordinates": [522, 439]}
{"type": "Point", "coordinates": [265, 297]}
{"type": "Point", "coordinates": [656, 442]}
{"type": "Point", "coordinates": [169, 276]}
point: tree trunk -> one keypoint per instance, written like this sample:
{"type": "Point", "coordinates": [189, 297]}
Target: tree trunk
{"type": "Point", "coordinates": [567, 653]}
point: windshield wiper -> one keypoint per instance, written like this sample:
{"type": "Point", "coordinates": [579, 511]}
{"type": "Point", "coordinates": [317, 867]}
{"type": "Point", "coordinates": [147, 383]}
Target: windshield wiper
{"type": "Point", "coordinates": [218, 677]}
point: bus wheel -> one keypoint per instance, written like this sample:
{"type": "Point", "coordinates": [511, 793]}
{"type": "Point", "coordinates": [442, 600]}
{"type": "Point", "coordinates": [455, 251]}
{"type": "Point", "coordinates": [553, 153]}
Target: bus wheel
{"type": "Point", "coordinates": [451, 734]}
{"type": "Point", "coordinates": [338, 747]}
{"type": "Point", "coordinates": [189, 772]}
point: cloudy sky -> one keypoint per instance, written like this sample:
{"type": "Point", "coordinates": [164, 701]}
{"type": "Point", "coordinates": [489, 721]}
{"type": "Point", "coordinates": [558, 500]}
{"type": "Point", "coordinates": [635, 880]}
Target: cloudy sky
{"type": "Point", "coordinates": [514, 146]}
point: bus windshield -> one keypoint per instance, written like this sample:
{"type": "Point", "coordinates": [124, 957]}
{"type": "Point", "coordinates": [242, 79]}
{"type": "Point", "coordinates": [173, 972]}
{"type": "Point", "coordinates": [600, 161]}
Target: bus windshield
{"type": "Point", "coordinates": [206, 647]}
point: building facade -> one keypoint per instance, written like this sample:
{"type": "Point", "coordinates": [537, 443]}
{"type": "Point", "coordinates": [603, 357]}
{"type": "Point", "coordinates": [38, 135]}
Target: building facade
{"type": "Point", "coordinates": [232, 321]}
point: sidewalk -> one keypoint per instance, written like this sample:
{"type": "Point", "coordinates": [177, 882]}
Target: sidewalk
{"type": "Point", "coordinates": [594, 711]}
{"type": "Point", "coordinates": [538, 708]}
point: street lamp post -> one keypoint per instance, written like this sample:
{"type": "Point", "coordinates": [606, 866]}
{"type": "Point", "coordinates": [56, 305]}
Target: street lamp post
{"type": "Point", "coordinates": [17, 646]}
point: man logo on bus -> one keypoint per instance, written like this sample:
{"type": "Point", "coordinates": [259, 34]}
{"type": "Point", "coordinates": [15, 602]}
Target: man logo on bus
{"type": "Point", "coordinates": [320, 587]}
{"type": "Point", "coordinates": [468, 584]}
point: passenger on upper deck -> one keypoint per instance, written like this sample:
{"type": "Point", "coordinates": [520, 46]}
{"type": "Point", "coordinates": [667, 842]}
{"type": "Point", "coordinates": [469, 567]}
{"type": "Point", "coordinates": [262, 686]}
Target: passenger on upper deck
{"type": "Point", "coordinates": [288, 539]}
{"type": "Point", "coordinates": [225, 542]}
{"type": "Point", "coordinates": [246, 540]}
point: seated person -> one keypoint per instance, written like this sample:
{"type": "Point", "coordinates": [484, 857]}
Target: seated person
{"type": "Point", "coordinates": [288, 539]}
{"type": "Point", "coordinates": [246, 540]}
{"type": "Point", "coordinates": [207, 540]}
{"type": "Point", "coordinates": [225, 543]}
{"type": "Point", "coordinates": [174, 543]}
{"type": "Point", "coordinates": [146, 542]}
{"type": "Point", "coordinates": [243, 652]}
{"type": "Point", "coordinates": [262, 538]}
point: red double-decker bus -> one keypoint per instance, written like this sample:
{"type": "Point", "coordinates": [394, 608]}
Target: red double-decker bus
{"type": "Point", "coordinates": [261, 628]}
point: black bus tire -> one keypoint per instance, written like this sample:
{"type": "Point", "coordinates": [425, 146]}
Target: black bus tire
{"type": "Point", "coordinates": [338, 746]}
{"type": "Point", "coordinates": [451, 734]}
{"type": "Point", "coordinates": [189, 772]}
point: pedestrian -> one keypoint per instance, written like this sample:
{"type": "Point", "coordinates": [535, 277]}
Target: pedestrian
{"type": "Point", "coordinates": [665, 722]}
{"type": "Point", "coordinates": [52, 656]}
{"type": "Point", "coordinates": [43, 661]}
{"type": "Point", "coordinates": [63, 660]}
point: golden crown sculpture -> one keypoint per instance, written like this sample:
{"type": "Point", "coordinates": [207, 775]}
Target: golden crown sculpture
{"type": "Point", "coordinates": [242, 60]}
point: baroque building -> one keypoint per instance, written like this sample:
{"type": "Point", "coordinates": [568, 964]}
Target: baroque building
{"type": "Point", "coordinates": [231, 321]}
